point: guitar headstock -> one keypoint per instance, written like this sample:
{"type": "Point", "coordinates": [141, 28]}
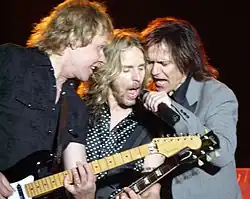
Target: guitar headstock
{"type": "Point", "coordinates": [188, 149]}
{"type": "Point", "coordinates": [209, 144]}
{"type": "Point", "coordinates": [172, 145]}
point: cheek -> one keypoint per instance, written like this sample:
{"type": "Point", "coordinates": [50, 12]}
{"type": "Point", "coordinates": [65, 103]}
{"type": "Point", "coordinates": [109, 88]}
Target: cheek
{"type": "Point", "coordinates": [142, 75]}
{"type": "Point", "coordinates": [94, 55]}
{"type": "Point", "coordinates": [119, 88]}
{"type": "Point", "coordinates": [118, 93]}
{"type": "Point", "coordinates": [78, 59]}
{"type": "Point", "coordinates": [175, 78]}
{"type": "Point", "coordinates": [88, 57]}
{"type": "Point", "coordinates": [167, 72]}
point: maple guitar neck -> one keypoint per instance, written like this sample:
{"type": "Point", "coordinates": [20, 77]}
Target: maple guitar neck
{"type": "Point", "coordinates": [53, 182]}
{"type": "Point", "coordinates": [166, 146]}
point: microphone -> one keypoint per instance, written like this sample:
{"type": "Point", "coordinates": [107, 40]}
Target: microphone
{"type": "Point", "coordinates": [164, 112]}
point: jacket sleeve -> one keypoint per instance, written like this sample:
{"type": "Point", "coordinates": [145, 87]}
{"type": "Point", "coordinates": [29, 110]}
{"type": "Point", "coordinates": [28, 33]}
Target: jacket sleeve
{"type": "Point", "coordinates": [221, 117]}
{"type": "Point", "coordinates": [3, 64]}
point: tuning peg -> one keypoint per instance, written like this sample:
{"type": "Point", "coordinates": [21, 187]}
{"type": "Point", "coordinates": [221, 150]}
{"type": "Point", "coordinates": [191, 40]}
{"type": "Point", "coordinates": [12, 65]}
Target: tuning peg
{"type": "Point", "coordinates": [203, 152]}
{"type": "Point", "coordinates": [217, 154]}
{"type": "Point", "coordinates": [206, 137]}
{"type": "Point", "coordinates": [211, 148]}
{"type": "Point", "coordinates": [168, 135]}
{"type": "Point", "coordinates": [208, 158]}
{"type": "Point", "coordinates": [194, 156]}
{"type": "Point", "coordinates": [200, 163]}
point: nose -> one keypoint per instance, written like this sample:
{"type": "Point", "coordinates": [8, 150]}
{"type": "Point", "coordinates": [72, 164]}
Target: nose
{"type": "Point", "coordinates": [155, 69]}
{"type": "Point", "coordinates": [136, 75]}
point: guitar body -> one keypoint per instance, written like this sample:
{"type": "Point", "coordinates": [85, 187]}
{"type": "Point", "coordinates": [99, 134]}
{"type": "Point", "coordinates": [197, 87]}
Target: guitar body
{"type": "Point", "coordinates": [19, 188]}
{"type": "Point", "coordinates": [20, 191]}
{"type": "Point", "coordinates": [32, 167]}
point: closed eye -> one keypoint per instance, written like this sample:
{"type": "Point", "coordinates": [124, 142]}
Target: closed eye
{"type": "Point", "coordinates": [164, 63]}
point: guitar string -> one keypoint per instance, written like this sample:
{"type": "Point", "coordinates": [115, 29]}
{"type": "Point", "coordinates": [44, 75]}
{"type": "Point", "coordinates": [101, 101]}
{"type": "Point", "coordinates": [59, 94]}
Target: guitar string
{"type": "Point", "coordinates": [153, 174]}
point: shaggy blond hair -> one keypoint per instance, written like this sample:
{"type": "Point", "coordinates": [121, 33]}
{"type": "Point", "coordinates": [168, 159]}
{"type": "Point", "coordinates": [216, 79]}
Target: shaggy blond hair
{"type": "Point", "coordinates": [122, 39]}
{"type": "Point", "coordinates": [72, 23]}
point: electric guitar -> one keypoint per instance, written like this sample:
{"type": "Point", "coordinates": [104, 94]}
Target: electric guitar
{"type": "Point", "coordinates": [210, 143]}
{"type": "Point", "coordinates": [28, 188]}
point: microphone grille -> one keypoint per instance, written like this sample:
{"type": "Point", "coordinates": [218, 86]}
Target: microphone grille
{"type": "Point", "coordinates": [143, 94]}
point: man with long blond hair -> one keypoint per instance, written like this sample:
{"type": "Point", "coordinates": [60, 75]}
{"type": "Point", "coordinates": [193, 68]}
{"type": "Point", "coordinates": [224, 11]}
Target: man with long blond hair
{"type": "Point", "coordinates": [36, 80]}
{"type": "Point", "coordinates": [115, 119]}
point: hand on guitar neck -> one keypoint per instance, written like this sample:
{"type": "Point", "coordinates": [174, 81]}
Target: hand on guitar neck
{"type": "Point", "coordinates": [80, 183]}
{"type": "Point", "coordinates": [84, 182]}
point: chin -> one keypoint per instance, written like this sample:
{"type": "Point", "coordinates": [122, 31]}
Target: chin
{"type": "Point", "coordinates": [162, 88]}
{"type": "Point", "coordinates": [159, 89]}
{"type": "Point", "coordinates": [129, 103]}
{"type": "Point", "coordinates": [84, 78]}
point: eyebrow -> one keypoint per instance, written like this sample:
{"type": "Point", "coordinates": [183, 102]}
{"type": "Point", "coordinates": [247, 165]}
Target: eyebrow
{"type": "Point", "coordinates": [158, 60]}
{"type": "Point", "coordinates": [130, 66]}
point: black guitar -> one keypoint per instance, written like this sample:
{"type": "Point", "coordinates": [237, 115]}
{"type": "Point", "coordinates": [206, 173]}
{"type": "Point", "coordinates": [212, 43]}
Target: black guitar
{"type": "Point", "coordinates": [210, 143]}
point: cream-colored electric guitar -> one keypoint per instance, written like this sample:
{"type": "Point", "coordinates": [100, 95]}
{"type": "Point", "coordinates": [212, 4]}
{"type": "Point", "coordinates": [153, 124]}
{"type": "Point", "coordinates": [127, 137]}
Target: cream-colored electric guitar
{"type": "Point", "coordinates": [27, 188]}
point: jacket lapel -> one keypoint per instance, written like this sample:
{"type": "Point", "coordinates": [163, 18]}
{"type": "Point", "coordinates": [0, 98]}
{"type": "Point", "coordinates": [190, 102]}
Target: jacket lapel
{"type": "Point", "coordinates": [193, 94]}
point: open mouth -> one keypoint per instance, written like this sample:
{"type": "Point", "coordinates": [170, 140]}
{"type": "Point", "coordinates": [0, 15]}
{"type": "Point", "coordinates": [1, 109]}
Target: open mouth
{"type": "Point", "coordinates": [97, 65]}
{"type": "Point", "coordinates": [133, 92]}
{"type": "Point", "coordinates": [93, 67]}
{"type": "Point", "coordinates": [160, 82]}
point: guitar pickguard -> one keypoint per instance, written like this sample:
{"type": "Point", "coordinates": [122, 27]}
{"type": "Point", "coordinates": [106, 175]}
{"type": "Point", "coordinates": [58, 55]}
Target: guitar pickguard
{"type": "Point", "coordinates": [20, 192]}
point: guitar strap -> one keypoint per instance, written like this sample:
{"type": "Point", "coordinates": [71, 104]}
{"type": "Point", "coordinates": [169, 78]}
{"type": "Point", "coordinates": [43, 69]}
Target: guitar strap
{"type": "Point", "coordinates": [137, 138]}
{"type": "Point", "coordinates": [61, 135]}
{"type": "Point", "coordinates": [140, 135]}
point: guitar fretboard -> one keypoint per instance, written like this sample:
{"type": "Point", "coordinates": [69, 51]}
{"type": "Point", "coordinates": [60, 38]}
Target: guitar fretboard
{"type": "Point", "coordinates": [45, 185]}
{"type": "Point", "coordinates": [148, 180]}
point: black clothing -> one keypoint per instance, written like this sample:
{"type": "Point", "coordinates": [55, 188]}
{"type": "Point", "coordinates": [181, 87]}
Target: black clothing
{"type": "Point", "coordinates": [28, 113]}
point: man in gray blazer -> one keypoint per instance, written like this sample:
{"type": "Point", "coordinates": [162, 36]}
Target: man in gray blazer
{"type": "Point", "coordinates": [185, 82]}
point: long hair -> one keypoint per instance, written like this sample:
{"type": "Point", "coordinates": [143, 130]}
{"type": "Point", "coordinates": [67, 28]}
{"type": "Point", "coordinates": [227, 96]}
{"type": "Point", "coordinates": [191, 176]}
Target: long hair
{"type": "Point", "coordinates": [72, 23]}
{"type": "Point", "coordinates": [102, 79]}
{"type": "Point", "coordinates": [185, 46]}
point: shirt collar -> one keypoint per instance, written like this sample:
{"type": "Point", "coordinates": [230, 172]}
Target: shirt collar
{"type": "Point", "coordinates": [180, 94]}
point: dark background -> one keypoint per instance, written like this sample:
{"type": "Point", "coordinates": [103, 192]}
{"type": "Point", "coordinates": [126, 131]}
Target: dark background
{"type": "Point", "coordinates": [223, 27]}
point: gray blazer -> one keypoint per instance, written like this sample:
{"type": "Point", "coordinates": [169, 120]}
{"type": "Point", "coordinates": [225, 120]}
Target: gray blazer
{"type": "Point", "coordinates": [211, 106]}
